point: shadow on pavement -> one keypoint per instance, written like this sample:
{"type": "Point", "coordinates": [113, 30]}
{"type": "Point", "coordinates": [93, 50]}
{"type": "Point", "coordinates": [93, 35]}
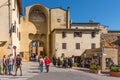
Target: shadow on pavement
{"type": "Point", "coordinates": [33, 71]}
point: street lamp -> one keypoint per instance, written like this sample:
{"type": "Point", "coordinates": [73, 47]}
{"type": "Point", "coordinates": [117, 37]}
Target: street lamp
{"type": "Point", "coordinates": [14, 47]}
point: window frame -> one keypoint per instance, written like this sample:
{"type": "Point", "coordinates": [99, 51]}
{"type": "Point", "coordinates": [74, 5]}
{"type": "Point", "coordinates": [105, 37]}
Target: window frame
{"type": "Point", "coordinates": [93, 46]}
{"type": "Point", "coordinates": [77, 45]}
{"type": "Point", "coordinates": [77, 34]}
{"type": "Point", "coordinates": [93, 34]}
{"type": "Point", "coordinates": [64, 34]}
{"type": "Point", "coordinates": [64, 45]}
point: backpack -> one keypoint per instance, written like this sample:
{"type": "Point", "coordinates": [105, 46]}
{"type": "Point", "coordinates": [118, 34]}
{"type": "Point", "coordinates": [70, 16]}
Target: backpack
{"type": "Point", "coordinates": [18, 61]}
{"type": "Point", "coordinates": [41, 62]}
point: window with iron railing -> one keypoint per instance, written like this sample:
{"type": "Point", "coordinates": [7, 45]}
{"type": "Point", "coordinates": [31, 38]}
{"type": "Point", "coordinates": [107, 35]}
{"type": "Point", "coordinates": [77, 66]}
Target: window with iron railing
{"type": "Point", "coordinates": [77, 34]}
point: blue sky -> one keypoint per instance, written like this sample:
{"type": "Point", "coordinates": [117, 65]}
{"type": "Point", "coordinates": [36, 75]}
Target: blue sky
{"type": "Point", "coordinates": [107, 12]}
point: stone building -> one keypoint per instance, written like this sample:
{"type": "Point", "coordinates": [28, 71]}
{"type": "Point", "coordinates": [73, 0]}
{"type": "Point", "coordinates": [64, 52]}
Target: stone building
{"type": "Point", "coordinates": [36, 27]}
{"type": "Point", "coordinates": [50, 32]}
{"type": "Point", "coordinates": [76, 39]}
{"type": "Point", "coordinates": [110, 50]}
{"type": "Point", "coordinates": [10, 11]}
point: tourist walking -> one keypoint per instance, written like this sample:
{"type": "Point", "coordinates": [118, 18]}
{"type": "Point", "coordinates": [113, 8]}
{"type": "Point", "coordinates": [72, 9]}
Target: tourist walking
{"type": "Point", "coordinates": [10, 64]}
{"type": "Point", "coordinates": [4, 65]}
{"type": "Point", "coordinates": [47, 63]}
{"type": "Point", "coordinates": [54, 60]}
{"type": "Point", "coordinates": [65, 62]}
{"type": "Point", "coordinates": [58, 62]}
{"type": "Point", "coordinates": [18, 64]}
{"type": "Point", "coordinates": [70, 62]}
{"type": "Point", "coordinates": [41, 62]}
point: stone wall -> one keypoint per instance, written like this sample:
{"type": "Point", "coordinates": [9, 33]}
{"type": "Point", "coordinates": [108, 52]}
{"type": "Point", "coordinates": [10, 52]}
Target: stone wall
{"type": "Point", "coordinates": [4, 20]}
{"type": "Point", "coordinates": [85, 42]}
{"type": "Point", "coordinates": [58, 18]}
{"type": "Point", "coordinates": [109, 53]}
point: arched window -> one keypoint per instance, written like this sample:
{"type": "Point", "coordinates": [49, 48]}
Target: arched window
{"type": "Point", "coordinates": [36, 15]}
{"type": "Point", "coordinates": [34, 43]}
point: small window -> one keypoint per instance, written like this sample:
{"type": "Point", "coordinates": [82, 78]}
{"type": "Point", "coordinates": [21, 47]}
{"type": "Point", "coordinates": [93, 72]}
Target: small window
{"type": "Point", "coordinates": [77, 45]}
{"type": "Point", "coordinates": [93, 34]}
{"type": "Point", "coordinates": [19, 36]}
{"type": "Point", "coordinates": [80, 34]}
{"type": "Point", "coordinates": [93, 46]}
{"type": "Point", "coordinates": [77, 34]}
{"type": "Point", "coordinates": [34, 43]}
{"type": "Point", "coordinates": [58, 20]}
{"type": "Point", "coordinates": [108, 60]}
{"type": "Point", "coordinates": [63, 34]}
{"type": "Point", "coordinates": [14, 27]}
{"type": "Point", "coordinates": [64, 46]}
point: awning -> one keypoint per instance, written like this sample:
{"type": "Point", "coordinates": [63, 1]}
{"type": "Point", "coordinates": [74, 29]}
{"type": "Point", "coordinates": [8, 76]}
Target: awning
{"type": "Point", "coordinates": [117, 42]}
{"type": "Point", "coordinates": [92, 52]}
{"type": "Point", "coordinates": [2, 43]}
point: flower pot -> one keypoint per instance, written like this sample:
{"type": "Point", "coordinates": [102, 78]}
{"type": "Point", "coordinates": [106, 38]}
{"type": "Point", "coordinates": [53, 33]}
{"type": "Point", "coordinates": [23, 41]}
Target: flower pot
{"type": "Point", "coordinates": [115, 74]}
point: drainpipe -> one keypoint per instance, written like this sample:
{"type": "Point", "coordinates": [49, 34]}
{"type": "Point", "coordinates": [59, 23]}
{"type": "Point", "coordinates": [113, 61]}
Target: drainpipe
{"type": "Point", "coordinates": [9, 17]}
{"type": "Point", "coordinates": [68, 18]}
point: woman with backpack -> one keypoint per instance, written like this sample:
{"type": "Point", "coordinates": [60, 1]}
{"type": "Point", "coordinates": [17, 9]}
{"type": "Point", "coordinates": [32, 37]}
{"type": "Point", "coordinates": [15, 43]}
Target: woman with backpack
{"type": "Point", "coordinates": [18, 64]}
{"type": "Point", "coordinates": [41, 62]}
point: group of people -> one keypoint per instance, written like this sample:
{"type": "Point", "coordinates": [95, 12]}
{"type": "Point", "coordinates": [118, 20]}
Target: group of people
{"type": "Point", "coordinates": [10, 63]}
{"type": "Point", "coordinates": [43, 61]}
{"type": "Point", "coordinates": [65, 63]}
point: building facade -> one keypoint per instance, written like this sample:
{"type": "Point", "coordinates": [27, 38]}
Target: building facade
{"type": "Point", "coordinates": [110, 50]}
{"type": "Point", "coordinates": [50, 32]}
{"type": "Point", "coordinates": [9, 20]}
{"type": "Point", "coordinates": [44, 31]}
{"type": "Point", "coordinates": [76, 39]}
{"type": "Point", "coordinates": [36, 28]}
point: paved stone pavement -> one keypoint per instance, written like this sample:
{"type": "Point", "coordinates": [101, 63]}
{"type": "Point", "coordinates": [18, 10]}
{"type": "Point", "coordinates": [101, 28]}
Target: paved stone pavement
{"type": "Point", "coordinates": [29, 69]}
{"type": "Point", "coordinates": [31, 72]}
{"type": "Point", "coordinates": [70, 74]}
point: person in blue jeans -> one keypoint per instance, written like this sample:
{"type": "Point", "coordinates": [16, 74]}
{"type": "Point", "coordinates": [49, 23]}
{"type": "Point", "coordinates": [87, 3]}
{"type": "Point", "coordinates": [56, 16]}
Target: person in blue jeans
{"type": "Point", "coordinates": [41, 62]}
{"type": "Point", "coordinates": [47, 63]}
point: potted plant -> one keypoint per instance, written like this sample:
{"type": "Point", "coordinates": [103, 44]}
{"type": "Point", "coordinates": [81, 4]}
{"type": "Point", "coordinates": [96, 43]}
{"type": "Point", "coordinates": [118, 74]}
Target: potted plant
{"type": "Point", "coordinates": [75, 64]}
{"type": "Point", "coordinates": [115, 71]}
{"type": "Point", "coordinates": [95, 68]}
{"type": "Point", "coordinates": [62, 55]}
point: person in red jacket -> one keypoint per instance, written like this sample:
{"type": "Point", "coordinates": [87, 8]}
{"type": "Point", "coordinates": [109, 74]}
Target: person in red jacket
{"type": "Point", "coordinates": [47, 63]}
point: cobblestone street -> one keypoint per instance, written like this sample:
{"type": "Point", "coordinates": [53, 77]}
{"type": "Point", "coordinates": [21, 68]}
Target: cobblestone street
{"type": "Point", "coordinates": [31, 72]}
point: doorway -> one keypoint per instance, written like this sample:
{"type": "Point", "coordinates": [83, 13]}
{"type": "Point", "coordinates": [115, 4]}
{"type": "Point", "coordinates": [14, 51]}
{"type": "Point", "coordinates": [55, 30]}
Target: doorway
{"type": "Point", "coordinates": [36, 50]}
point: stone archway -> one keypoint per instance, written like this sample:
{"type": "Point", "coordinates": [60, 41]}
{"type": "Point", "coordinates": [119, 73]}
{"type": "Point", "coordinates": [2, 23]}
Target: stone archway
{"type": "Point", "coordinates": [36, 49]}
{"type": "Point", "coordinates": [38, 15]}
{"type": "Point", "coordinates": [37, 45]}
